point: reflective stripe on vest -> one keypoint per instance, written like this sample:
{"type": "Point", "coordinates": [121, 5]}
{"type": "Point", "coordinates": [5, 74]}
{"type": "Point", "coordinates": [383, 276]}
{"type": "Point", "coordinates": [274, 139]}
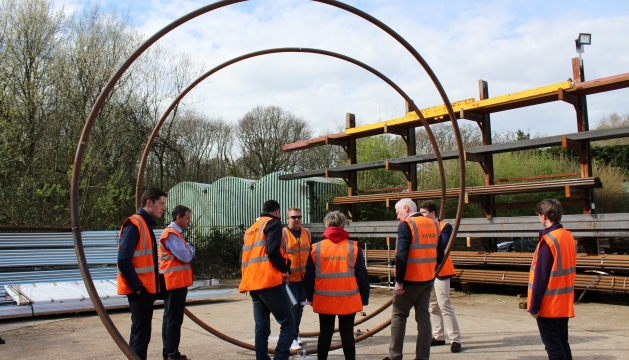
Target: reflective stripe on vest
{"type": "Point", "coordinates": [336, 290]}
{"type": "Point", "coordinates": [142, 270]}
{"type": "Point", "coordinates": [177, 274]}
{"type": "Point", "coordinates": [143, 261]}
{"type": "Point", "coordinates": [558, 299]}
{"type": "Point", "coordinates": [258, 272]}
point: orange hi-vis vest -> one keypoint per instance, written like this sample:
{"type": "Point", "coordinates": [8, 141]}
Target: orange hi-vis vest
{"type": "Point", "coordinates": [177, 274]}
{"type": "Point", "coordinates": [336, 290]}
{"type": "Point", "coordinates": [422, 253]}
{"type": "Point", "coordinates": [142, 258]}
{"type": "Point", "coordinates": [448, 267]}
{"type": "Point", "coordinates": [297, 251]}
{"type": "Point", "coordinates": [558, 300]}
{"type": "Point", "coordinates": [257, 270]}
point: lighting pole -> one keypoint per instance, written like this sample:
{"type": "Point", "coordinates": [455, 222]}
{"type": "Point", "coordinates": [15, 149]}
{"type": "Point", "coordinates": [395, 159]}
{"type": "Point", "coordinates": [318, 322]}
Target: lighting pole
{"type": "Point", "coordinates": [582, 118]}
{"type": "Point", "coordinates": [583, 39]}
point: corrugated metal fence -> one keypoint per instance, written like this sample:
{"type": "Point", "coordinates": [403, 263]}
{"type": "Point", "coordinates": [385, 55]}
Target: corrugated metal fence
{"type": "Point", "coordinates": [231, 202]}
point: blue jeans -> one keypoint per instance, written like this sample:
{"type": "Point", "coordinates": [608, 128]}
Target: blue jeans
{"type": "Point", "coordinates": [273, 301]}
{"type": "Point", "coordinates": [299, 292]}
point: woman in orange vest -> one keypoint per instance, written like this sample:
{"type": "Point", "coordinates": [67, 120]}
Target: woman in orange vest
{"type": "Point", "coordinates": [336, 283]}
{"type": "Point", "coordinates": [442, 316]}
{"type": "Point", "coordinates": [551, 280]}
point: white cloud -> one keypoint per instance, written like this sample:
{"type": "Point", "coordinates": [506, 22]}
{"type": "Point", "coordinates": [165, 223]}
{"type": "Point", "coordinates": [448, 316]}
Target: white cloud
{"type": "Point", "coordinates": [513, 46]}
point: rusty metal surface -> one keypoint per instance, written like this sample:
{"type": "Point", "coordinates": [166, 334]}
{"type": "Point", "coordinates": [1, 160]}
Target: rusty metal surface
{"type": "Point", "coordinates": [90, 121]}
{"type": "Point", "coordinates": [80, 156]}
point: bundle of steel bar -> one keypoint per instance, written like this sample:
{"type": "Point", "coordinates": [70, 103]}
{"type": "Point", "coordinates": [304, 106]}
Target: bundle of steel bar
{"type": "Point", "coordinates": [591, 225]}
{"type": "Point", "coordinates": [520, 278]}
{"type": "Point", "coordinates": [502, 189]}
{"type": "Point", "coordinates": [470, 258]}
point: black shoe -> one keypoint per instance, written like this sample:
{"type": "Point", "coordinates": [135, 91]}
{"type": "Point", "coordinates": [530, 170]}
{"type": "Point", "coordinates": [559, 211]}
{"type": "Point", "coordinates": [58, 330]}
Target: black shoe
{"type": "Point", "coordinates": [2, 341]}
{"type": "Point", "coordinates": [435, 342]}
{"type": "Point", "coordinates": [455, 347]}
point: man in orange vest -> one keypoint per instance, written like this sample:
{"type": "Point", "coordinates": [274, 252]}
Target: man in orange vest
{"type": "Point", "coordinates": [264, 269]}
{"type": "Point", "coordinates": [138, 273]}
{"type": "Point", "coordinates": [175, 255]}
{"type": "Point", "coordinates": [418, 251]}
{"type": "Point", "coordinates": [296, 240]}
{"type": "Point", "coordinates": [551, 280]}
{"type": "Point", "coordinates": [441, 311]}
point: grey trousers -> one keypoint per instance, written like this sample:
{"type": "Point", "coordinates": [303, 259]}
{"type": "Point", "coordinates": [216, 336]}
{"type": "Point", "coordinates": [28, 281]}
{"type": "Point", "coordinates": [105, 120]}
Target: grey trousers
{"type": "Point", "coordinates": [415, 296]}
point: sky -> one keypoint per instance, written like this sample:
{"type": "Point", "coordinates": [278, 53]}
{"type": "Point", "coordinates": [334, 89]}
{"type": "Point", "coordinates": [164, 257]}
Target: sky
{"type": "Point", "coordinates": [513, 45]}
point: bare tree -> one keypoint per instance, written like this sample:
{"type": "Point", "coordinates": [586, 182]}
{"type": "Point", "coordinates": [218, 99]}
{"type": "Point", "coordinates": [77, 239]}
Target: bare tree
{"type": "Point", "coordinates": [261, 133]}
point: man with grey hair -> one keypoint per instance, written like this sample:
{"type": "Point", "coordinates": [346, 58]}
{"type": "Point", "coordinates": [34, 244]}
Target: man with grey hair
{"type": "Point", "coordinates": [418, 253]}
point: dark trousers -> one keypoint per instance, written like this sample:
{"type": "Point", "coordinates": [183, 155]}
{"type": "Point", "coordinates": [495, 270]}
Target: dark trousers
{"type": "Point", "coordinates": [174, 304]}
{"type": "Point", "coordinates": [554, 332]}
{"type": "Point", "coordinates": [346, 330]}
{"type": "Point", "coordinates": [299, 292]}
{"type": "Point", "coordinates": [141, 316]}
{"type": "Point", "coordinates": [274, 301]}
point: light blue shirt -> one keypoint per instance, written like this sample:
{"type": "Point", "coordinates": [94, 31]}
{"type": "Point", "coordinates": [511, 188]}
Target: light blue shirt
{"type": "Point", "coordinates": [177, 247]}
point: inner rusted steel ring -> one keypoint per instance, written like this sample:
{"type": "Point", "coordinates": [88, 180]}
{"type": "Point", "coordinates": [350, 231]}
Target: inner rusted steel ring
{"type": "Point", "coordinates": [164, 117]}
{"type": "Point", "coordinates": [82, 148]}
{"type": "Point", "coordinates": [309, 350]}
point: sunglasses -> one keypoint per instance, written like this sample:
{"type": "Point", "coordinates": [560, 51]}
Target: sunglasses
{"type": "Point", "coordinates": [295, 217]}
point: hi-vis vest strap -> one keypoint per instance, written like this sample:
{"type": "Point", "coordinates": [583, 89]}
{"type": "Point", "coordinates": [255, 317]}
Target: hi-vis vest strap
{"type": "Point", "coordinates": [336, 290]}
{"type": "Point", "coordinates": [142, 258]}
{"type": "Point", "coordinates": [448, 267]}
{"type": "Point", "coordinates": [257, 270]}
{"type": "Point", "coordinates": [297, 251]}
{"type": "Point", "coordinates": [177, 274]}
{"type": "Point", "coordinates": [558, 300]}
{"type": "Point", "coordinates": [422, 253]}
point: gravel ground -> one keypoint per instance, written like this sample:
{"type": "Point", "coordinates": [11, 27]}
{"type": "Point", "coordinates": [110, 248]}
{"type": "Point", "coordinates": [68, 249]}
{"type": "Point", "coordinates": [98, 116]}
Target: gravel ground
{"type": "Point", "coordinates": [492, 327]}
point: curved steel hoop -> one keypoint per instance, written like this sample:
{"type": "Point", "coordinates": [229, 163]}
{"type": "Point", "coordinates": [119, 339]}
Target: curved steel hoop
{"type": "Point", "coordinates": [309, 351]}
{"type": "Point", "coordinates": [91, 119]}
{"type": "Point", "coordinates": [446, 101]}
{"type": "Point", "coordinates": [195, 83]}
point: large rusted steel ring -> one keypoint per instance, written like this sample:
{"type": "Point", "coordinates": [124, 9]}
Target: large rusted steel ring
{"type": "Point", "coordinates": [248, 346]}
{"type": "Point", "coordinates": [96, 108]}
{"type": "Point", "coordinates": [164, 117]}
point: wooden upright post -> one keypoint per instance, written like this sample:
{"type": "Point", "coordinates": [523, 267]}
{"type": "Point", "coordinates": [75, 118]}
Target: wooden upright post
{"type": "Point", "coordinates": [352, 181]}
{"type": "Point", "coordinates": [488, 165]}
{"type": "Point", "coordinates": [411, 149]}
{"type": "Point", "coordinates": [583, 125]}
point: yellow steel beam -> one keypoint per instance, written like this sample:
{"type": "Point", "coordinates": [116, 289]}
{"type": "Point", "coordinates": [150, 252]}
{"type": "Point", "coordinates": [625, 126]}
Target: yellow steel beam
{"type": "Point", "coordinates": [440, 111]}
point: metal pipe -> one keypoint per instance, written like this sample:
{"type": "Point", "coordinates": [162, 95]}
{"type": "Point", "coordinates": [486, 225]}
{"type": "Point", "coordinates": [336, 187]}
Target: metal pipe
{"type": "Point", "coordinates": [357, 322]}
{"type": "Point", "coordinates": [309, 350]}
{"type": "Point", "coordinates": [78, 165]}
{"type": "Point", "coordinates": [453, 120]}
{"type": "Point", "coordinates": [171, 107]}
{"type": "Point", "coordinates": [84, 139]}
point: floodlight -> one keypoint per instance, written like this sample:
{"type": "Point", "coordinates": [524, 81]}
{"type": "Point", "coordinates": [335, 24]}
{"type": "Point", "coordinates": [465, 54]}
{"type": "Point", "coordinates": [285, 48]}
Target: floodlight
{"type": "Point", "coordinates": [583, 39]}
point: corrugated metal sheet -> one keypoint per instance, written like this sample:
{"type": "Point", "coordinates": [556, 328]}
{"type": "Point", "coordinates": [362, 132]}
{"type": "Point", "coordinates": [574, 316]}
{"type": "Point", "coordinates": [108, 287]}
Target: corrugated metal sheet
{"type": "Point", "coordinates": [231, 202]}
